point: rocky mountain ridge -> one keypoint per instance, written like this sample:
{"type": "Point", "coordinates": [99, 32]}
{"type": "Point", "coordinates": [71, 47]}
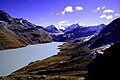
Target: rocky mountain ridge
{"type": "Point", "coordinates": [21, 30]}
{"type": "Point", "coordinates": [75, 32]}
{"type": "Point", "coordinates": [71, 62]}
{"type": "Point", "coordinates": [74, 57]}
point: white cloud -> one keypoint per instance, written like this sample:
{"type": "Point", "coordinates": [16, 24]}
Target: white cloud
{"type": "Point", "coordinates": [67, 9]}
{"type": "Point", "coordinates": [103, 7]}
{"type": "Point", "coordinates": [98, 8]}
{"type": "Point", "coordinates": [79, 8]}
{"type": "Point", "coordinates": [103, 16]}
{"type": "Point", "coordinates": [64, 24]}
{"type": "Point", "coordinates": [107, 17]}
{"type": "Point", "coordinates": [108, 11]}
{"type": "Point", "coordinates": [61, 22]}
{"type": "Point", "coordinates": [63, 12]}
{"type": "Point", "coordinates": [117, 14]}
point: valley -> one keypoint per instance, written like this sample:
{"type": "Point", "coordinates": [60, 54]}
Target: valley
{"type": "Point", "coordinates": [84, 47]}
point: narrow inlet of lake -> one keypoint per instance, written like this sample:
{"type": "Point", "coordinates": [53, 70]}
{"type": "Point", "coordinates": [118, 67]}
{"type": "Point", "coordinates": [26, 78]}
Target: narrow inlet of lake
{"type": "Point", "coordinates": [14, 59]}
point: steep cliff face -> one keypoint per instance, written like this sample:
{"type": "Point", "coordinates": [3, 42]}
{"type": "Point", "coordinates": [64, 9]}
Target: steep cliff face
{"type": "Point", "coordinates": [21, 31]}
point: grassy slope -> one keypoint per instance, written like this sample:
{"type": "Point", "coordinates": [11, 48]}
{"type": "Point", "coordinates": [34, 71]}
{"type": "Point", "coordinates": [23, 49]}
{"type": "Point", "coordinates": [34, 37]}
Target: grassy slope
{"type": "Point", "coordinates": [7, 41]}
{"type": "Point", "coordinates": [69, 64]}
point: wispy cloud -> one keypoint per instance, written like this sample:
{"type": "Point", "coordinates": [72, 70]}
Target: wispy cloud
{"type": "Point", "coordinates": [117, 14]}
{"type": "Point", "coordinates": [103, 7]}
{"type": "Point", "coordinates": [107, 17]}
{"type": "Point", "coordinates": [61, 22]}
{"type": "Point", "coordinates": [51, 13]}
{"type": "Point", "coordinates": [64, 23]}
{"type": "Point", "coordinates": [103, 16]}
{"type": "Point", "coordinates": [79, 8]}
{"type": "Point", "coordinates": [108, 11]}
{"type": "Point", "coordinates": [40, 19]}
{"type": "Point", "coordinates": [98, 8]}
{"type": "Point", "coordinates": [57, 13]}
{"type": "Point", "coordinates": [67, 9]}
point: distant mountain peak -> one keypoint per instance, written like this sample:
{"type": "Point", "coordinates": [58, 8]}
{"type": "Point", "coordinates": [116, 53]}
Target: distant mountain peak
{"type": "Point", "coordinates": [5, 17]}
{"type": "Point", "coordinates": [52, 29]}
{"type": "Point", "coordinates": [73, 26]}
{"type": "Point", "coordinates": [3, 14]}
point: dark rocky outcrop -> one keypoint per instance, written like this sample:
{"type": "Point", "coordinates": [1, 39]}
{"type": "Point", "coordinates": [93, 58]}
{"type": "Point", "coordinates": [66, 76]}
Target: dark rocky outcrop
{"type": "Point", "coordinates": [105, 66]}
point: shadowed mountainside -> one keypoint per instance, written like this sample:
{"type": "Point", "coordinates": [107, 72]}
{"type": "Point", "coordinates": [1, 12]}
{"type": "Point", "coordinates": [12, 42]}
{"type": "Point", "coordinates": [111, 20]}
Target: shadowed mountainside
{"type": "Point", "coordinates": [105, 66]}
{"type": "Point", "coordinates": [109, 34]}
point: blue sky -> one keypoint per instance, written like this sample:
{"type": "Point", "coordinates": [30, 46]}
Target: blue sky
{"type": "Point", "coordinates": [63, 12]}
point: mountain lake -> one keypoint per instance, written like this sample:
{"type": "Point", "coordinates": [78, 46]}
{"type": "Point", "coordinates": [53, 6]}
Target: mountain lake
{"type": "Point", "coordinates": [14, 59]}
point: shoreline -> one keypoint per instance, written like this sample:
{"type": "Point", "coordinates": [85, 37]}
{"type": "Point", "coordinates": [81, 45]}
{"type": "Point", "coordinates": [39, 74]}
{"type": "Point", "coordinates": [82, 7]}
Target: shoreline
{"type": "Point", "coordinates": [24, 46]}
{"type": "Point", "coordinates": [31, 59]}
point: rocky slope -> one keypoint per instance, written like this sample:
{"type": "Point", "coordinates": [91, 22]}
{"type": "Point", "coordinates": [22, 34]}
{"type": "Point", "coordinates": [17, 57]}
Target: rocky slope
{"type": "Point", "coordinates": [69, 64]}
{"type": "Point", "coordinates": [109, 35]}
{"type": "Point", "coordinates": [21, 31]}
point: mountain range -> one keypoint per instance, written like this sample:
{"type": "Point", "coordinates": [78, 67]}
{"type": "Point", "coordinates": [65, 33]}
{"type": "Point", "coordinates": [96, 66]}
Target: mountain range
{"type": "Point", "coordinates": [72, 60]}
{"type": "Point", "coordinates": [77, 60]}
{"type": "Point", "coordinates": [75, 31]}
